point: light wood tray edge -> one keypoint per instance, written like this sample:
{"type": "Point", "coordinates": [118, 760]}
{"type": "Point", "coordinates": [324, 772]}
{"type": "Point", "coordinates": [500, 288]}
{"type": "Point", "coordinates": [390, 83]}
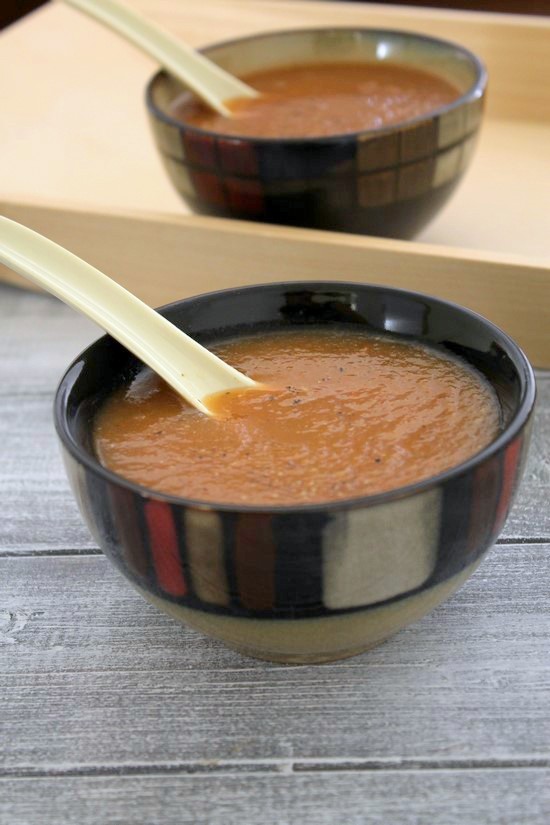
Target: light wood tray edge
{"type": "Point", "coordinates": [163, 258]}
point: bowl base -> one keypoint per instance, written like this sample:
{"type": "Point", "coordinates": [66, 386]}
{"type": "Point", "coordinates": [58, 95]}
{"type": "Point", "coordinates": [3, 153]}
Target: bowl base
{"type": "Point", "coordinates": [316, 640]}
{"type": "Point", "coordinates": [303, 658]}
{"type": "Point", "coordinates": [402, 219]}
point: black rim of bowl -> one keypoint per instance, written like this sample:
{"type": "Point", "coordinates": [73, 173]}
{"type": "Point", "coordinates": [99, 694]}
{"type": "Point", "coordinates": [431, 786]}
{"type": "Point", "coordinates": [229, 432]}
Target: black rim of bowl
{"type": "Point", "coordinates": [518, 421]}
{"type": "Point", "coordinates": [473, 93]}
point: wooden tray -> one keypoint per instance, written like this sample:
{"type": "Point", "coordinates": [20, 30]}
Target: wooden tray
{"type": "Point", "coordinates": [78, 164]}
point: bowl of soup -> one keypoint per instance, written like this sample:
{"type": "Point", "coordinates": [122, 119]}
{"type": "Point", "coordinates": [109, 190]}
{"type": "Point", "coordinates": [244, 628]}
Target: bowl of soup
{"type": "Point", "coordinates": [356, 130]}
{"type": "Point", "coordinates": [310, 518]}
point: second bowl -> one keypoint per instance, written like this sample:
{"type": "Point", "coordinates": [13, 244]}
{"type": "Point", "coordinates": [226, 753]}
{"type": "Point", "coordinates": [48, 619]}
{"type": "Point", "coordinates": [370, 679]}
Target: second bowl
{"type": "Point", "coordinates": [387, 181]}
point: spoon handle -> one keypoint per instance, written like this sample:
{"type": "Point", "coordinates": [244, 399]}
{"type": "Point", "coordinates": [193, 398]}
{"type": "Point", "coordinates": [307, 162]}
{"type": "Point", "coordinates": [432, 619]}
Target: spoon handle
{"type": "Point", "coordinates": [211, 83]}
{"type": "Point", "coordinates": [188, 367]}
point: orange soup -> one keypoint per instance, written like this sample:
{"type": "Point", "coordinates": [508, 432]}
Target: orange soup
{"type": "Point", "coordinates": [324, 99]}
{"type": "Point", "coordinates": [341, 414]}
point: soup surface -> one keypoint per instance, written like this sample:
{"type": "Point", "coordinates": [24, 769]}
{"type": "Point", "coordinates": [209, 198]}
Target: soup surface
{"type": "Point", "coordinates": [343, 414]}
{"type": "Point", "coordinates": [324, 99]}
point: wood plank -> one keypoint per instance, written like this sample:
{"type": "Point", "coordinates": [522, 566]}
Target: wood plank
{"type": "Point", "coordinates": [511, 797]}
{"type": "Point", "coordinates": [39, 512]}
{"type": "Point", "coordinates": [163, 259]}
{"type": "Point", "coordinates": [43, 595]}
{"type": "Point", "coordinates": [121, 684]}
{"type": "Point", "coordinates": [40, 515]}
{"type": "Point", "coordinates": [40, 337]}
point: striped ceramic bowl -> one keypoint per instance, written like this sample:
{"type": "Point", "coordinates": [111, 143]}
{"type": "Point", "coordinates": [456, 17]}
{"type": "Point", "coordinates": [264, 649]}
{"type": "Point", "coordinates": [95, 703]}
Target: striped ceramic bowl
{"type": "Point", "coordinates": [305, 583]}
{"type": "Point", "coordinates": [387, 181]}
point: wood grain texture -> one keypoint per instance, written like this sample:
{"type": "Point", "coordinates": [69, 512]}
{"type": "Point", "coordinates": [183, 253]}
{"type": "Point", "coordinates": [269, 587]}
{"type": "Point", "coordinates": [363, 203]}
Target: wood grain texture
{"type": "Point", "coordinates": [39, 337]}
{"type": "Point", "coordinates": [467, 797]}
{"type": "Point", "coordinates": [121, 684]}
{"type": "Point", "coordinates": [39, 512]}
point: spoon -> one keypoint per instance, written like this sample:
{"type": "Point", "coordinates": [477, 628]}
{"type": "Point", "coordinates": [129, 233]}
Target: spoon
{"type": "Point", "coordinates": [211, 83]}
{"type": "Point", "coordinates": [190, 369]}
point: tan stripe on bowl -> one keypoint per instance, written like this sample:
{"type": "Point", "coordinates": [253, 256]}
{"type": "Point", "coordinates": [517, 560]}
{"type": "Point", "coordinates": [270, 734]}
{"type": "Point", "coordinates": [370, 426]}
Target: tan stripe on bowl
{"type": "Point", "coordinates": [205, 555]}
{"type": "Point", "coordinates": [376, 553]}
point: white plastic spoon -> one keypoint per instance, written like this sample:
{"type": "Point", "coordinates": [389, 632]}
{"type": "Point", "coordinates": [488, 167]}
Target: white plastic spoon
{"type": "Point", "coordinates": [190, 369]}
{"type": "Point", "coordinates": [211, 83]}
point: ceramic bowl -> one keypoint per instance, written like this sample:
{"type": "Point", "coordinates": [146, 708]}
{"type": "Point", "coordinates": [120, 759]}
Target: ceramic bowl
{"type": "Point", "coordinates": [388, 181]}
{"type": "Point", "coordinates": [304, 583]}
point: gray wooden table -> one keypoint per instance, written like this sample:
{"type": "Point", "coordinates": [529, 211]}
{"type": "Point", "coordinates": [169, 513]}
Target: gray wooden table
{"type": "Point", "coordinates": [110, 712]}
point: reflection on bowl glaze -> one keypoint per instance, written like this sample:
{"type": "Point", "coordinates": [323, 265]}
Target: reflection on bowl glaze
{"type": "Point", "coordinates": [386, 181]}
{"type": "Point", "coordinates": [313, 582]}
